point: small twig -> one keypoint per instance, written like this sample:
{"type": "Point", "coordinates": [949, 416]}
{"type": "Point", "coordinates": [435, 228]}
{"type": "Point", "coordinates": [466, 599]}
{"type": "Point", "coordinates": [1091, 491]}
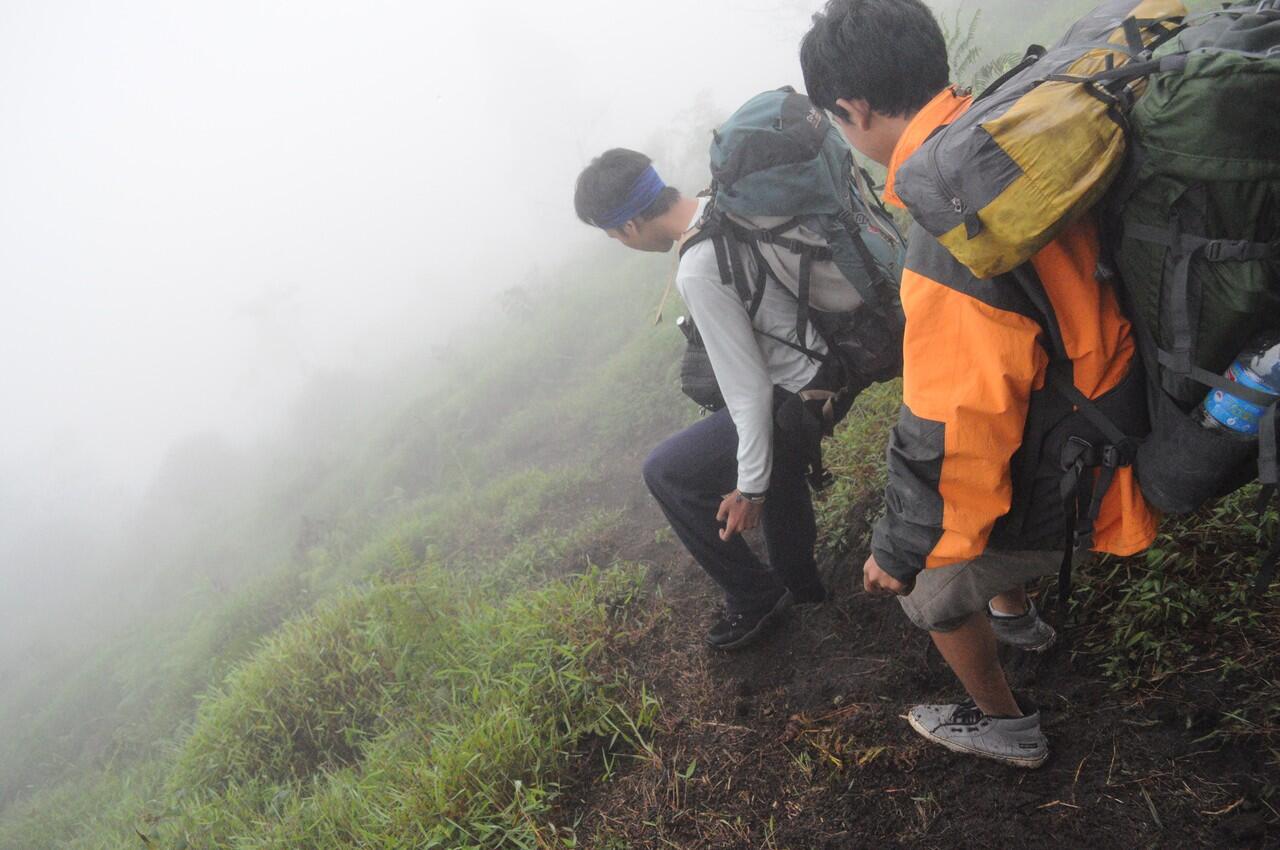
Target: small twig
{"type": "Point", "coordinates": [1078, 769]}
{"type": "Point", "coordinates": [726, 726]}
{"type": "Point", "coordinates": [1058, 803]}
{"type": "Point", "coordinates": [1152, 806]}
{"type": "Point", "coordinates": [666, 293]}
{"type": "Point", "coordinates": [1224, 811]}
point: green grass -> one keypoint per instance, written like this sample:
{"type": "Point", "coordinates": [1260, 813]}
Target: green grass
{"type": "Point", "coordinates": [856, 458]}
{"type": "Point", "coordinates": [481, 709]}
{"type": "Point", "coordinates": [98, 811]}
{"type": "Point", "coordinates": [1185, 608]}
{"type": "Point", "coordinates": [433, 712]}
{"type": "Point", "coordinates": [313, 693]}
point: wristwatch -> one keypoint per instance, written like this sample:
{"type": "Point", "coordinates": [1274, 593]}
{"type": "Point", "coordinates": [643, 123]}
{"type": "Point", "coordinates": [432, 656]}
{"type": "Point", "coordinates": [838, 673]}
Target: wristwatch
{"type": "Point", "coordinates": [755, 498]}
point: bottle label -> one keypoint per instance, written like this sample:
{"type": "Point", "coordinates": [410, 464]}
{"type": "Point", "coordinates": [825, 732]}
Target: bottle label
{"type": "Point", "coordinates": [1236, 413]}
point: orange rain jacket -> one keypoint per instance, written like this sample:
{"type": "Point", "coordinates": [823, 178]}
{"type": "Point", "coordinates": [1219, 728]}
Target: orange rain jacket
{"type": "Point", "coordinates": [974, 460]}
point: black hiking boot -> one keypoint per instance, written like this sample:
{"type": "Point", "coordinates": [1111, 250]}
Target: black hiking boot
{"type": "Point", "coordinates": [746, 627]}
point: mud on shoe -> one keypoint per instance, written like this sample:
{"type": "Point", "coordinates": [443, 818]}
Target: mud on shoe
{"type": "Point", "coordinates": [744, 628]}
{"type": "Point", "coordinates": [1026, 631]}
{"type": "Point", "coordinates": [964, 728]}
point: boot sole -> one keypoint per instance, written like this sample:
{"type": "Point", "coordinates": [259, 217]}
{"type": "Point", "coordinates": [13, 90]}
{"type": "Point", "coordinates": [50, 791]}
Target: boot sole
{"type": "Point", "coordinates": [783, 603]}
{"type": "Point", "coordinates": [1013, 761]}
{"type": "Point", "coordinates": [1042, 648]}
{"type": "Point", "coordinates": [1038, 650]}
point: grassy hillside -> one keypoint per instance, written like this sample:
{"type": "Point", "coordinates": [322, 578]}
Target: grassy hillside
{"type": "Point", "coordinates": [487, 476]}
{"type": "Point", "coordinates": [488, 685]}
{"type": "Point", "coordinates": [440, 612]}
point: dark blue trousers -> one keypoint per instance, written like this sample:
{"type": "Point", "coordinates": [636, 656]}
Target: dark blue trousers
{"type": "Point", "coordinates": [690, 472]}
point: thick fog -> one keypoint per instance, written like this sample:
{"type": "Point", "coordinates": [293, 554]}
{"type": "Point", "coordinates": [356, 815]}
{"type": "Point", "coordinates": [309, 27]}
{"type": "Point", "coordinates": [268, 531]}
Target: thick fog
{"type": "Point", "coordinates": [205, 206]}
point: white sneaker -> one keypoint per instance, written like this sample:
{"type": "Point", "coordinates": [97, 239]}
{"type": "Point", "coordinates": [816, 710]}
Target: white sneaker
{"type": "Point", "coordinates": [964, 728]}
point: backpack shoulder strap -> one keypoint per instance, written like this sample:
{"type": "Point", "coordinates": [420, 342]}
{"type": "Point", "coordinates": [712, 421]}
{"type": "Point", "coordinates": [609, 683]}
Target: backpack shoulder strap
{"type": "Point", "coordinates": [729, 262]}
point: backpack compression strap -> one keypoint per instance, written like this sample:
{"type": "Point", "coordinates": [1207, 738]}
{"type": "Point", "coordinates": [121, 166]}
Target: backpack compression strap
{"type": "Point", "coordinates": [872, 297]}
{"type": "Point", "coordinates": [1081, 495]}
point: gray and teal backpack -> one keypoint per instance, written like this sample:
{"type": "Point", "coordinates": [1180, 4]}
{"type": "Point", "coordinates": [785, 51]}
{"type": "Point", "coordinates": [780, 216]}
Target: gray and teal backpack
{"type": "Point", "coordinates": [789, 208]}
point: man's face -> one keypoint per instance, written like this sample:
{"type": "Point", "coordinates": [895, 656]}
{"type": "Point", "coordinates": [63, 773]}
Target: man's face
{"type": "Point", "coordinates": [852, 133]}
{"type": "Point", "coordinates": [641, 236]}
{"type": "Point", "coordinates": [868, 132]}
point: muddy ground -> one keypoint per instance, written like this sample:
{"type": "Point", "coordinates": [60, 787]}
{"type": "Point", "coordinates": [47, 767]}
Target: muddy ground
{"type": "Point", "coordinates": [799, 742]}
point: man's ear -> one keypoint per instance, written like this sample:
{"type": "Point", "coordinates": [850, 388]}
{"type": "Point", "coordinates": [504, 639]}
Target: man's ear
{"type": "Point", "coordinates": [859, 112]}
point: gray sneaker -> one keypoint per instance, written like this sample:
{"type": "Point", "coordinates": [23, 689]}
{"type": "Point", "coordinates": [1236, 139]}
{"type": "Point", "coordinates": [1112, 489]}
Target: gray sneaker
{"type": "Point", "coordinates": [1027, 632]}
{"type": "Point", "coordinates": [964, 728]}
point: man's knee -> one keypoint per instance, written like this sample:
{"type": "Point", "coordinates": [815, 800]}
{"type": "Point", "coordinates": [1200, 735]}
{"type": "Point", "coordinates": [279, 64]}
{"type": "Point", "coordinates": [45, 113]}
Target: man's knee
{"type": "Point", "coordinates": [656, 468]}
{"type": "Point", "coordinates": [945, 597]}
{"type": "Point", "coordinates": [930, 619]}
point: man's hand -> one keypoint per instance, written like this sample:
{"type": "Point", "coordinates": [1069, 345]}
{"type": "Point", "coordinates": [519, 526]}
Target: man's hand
{"type": "Point", "coordinates": [879, 583]}
{"type": "Point", "coordinates": [738, 514]}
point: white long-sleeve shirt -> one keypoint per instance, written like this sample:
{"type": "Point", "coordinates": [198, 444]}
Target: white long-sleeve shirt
{"type": "Point", "coordinates": [747, 364]}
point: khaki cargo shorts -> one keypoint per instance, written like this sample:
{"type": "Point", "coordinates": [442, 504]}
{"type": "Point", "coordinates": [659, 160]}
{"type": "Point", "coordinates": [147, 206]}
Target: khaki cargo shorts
{"type": "Point", "coordinates": [944, 597]}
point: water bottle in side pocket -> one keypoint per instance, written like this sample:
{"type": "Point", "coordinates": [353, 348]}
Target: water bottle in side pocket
{"type": "Point", "coordinates": [1257, 367]}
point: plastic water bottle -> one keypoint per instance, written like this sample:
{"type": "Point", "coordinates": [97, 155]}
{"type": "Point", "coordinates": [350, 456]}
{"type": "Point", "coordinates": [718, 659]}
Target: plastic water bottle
{"type": "Point", "coordinates": [1257, 367]}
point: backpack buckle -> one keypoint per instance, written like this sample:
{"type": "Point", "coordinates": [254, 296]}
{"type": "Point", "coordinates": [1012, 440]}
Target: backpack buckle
{"type": "Point", "coordinates": [1077, 452]}
{"type": "Point", "coordinates": [1225, 249]}
{"type": "Point", "coordinates": [1112, 457]}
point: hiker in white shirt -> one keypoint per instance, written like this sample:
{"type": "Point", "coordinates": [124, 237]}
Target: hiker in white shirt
{"type": "Point", "coordinates": [729, 472]}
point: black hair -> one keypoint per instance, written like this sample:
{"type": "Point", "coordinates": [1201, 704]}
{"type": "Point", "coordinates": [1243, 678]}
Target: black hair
{"type": "Point", "coordinates": [890, 53]}
{"type": "Point", "coordinates": [604, 185]}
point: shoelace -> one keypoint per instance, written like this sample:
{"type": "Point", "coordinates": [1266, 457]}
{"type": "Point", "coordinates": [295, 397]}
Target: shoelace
{"type": "Point", "coordinates": [966, 714]}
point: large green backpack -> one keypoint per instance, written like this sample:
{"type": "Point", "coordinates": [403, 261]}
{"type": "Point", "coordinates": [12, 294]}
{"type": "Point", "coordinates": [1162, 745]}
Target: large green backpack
{"type": "Point", "coordinates": [1197, 244]}
{"type": "Point", "coordinates": [1196, 230]}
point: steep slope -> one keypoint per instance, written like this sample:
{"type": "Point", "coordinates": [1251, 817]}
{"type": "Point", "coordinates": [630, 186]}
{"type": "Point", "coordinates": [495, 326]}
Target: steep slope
{"type": "Point", "coordinates": [508, 457]}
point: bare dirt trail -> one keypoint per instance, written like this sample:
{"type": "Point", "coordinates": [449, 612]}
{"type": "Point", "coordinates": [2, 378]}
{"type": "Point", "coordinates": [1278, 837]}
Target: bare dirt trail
{"type": "Point", "coordinates": [798, 742]}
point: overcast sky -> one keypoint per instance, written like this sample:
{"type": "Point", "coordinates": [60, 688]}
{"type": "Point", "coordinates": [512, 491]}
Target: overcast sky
{"type": "Point", "coordinates": [205, 202]}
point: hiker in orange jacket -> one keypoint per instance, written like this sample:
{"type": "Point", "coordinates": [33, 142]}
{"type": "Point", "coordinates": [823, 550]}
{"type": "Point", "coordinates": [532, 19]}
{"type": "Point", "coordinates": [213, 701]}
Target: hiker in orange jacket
{"type": "Point", "coordinates": [974, 502]}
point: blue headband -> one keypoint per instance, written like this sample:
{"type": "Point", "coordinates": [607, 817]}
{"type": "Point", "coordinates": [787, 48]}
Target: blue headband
{"type": "Point", "coordinates": [645, 191]}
